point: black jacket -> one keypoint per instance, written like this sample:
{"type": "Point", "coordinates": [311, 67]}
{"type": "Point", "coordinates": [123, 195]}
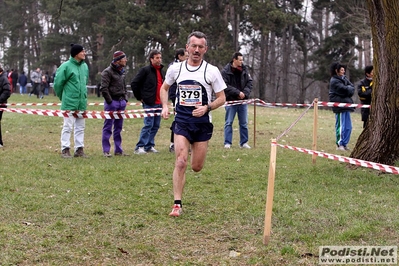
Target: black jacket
{"type": "Point", "coordinates": [364, 90]}
{"type": "Point", "coordinates": [5, 89]}
{"type": "Point", "coordinates": [144, 84]}
{"type": "Point", "coordinates": [113, 85]}
{"type": "Point", "coordinates": [341, 91]}
{"type": "Point", "coordinates": [233, 90]}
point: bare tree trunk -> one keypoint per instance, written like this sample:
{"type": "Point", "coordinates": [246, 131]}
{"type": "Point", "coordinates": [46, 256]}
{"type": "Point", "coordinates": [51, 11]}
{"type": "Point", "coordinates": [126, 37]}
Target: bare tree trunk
{"type": "Point", "coordinates": [235, 24]}
{"type": "Point", "coordinates": [286, 64]}
{"type": "Point", "coordinates": [379, 141]}
{"type": "Point", "coordinates": [262, 67]}
{"type": "Point", "coordinates": [272, 67]}
{"type": "Point", "coordinates": [367, 52]}
{"type": "Point", "coordinates": [361, 52]}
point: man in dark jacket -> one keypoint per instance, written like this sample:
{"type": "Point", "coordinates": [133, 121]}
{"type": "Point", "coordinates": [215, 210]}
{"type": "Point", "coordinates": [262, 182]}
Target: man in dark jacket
{"type": "Point", "coordinates": [5, 92]}
{"type": "Point", "coordinates": [239, 86]}
{"type": "Point", "coordinates": [23, 81]}
{"type": "Point", "coordinates": [341, 91]}
{"type": "Point", "coordinates": [113, 89]}
{"type": "Point", "coordinates": [364, 90]}
{"type": "Point", "coordinates": [146, 86]}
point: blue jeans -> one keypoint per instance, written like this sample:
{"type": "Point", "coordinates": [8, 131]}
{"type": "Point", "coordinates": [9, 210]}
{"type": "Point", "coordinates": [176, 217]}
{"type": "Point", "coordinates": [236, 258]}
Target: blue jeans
{"type": "Point", "coordinates": [242, 112]}
{"type": "Point", "coordinates": [150, 128]}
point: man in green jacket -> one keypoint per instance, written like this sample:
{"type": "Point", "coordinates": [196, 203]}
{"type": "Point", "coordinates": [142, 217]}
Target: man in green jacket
{"type": "Point", "coordinates": [70, 86]}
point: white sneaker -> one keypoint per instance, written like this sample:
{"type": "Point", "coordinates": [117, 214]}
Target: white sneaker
{"type": "Point", "coordinates": [341, 148]}
{"type": "Point", "coordinates": [227, 146]}
{"type": "Point", "coordinates": [245, 146]}
{"type": "Point", "coordinates": [140, 150]}
{"type": "Point", "coordinates": [153, 150]}
{"type": "Point", "coordinates": [1, 146]}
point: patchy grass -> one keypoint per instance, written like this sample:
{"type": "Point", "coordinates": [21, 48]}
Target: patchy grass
{"type": "Point", "coordinates": [114, 211]}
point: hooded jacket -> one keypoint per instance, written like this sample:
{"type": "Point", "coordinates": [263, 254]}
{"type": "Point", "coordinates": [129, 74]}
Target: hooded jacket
{"type": "Point", "coordinates": [70, 85]}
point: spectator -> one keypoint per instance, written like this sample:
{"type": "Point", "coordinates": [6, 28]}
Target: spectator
{"type": "Point", "coordinates": [70, 86]}
{"type": "Point", "coordinates": [341, 91]}
{"type": "Point", "coordinates": [239, 86]}
{"type": "Point", "coordinates": [146, 86]}
{"type": "Point", "coordinates": [5, 92]}
{"type": "Point", "coordinates": [14, 78]}
{"type": "Point", "coordinates": [45, 84]}
{"type": "Point", "coordinates": [23, 81]}
{"type": "Point", "coordinates": [364, 90]}
{"type": "Point", "coordinates": [113, 89]}
{"type": "Point", "coordinates": [36, 79]}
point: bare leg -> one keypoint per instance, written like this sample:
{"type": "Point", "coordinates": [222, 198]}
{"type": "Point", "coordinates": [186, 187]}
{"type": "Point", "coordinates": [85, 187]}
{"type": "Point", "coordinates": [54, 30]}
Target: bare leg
{"type": "Point", "coordinates": [182, 146]}
{"type": "Point", "coordinates": [198, 155]}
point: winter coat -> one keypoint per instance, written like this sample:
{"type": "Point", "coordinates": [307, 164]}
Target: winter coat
{"type": "Point", "coordinates": [23, 80]}
{"type": "Point", "coordinates": [233, 89]}
{"type": "Point", "coordinates": [144, 84]}
{"type": "Point", "coordinates": [70, 85]}
{"type": "Point", "coordinates": [35, 77]}
{"type": "Point", "coordinates": [113, 85]}
{"type": "Point", "coordinates": [364, 90]}
{"type": "Point", "coordinates": [341, 91]}
{"type": "Point", "coordinates": [5, 89]}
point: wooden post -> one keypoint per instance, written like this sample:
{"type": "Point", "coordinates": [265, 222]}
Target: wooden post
{"type": "Point", "coordinates": [315, 120]}
{"type": "Point", "coordinates": [270, 193]}
{"type": "Point", "coordinates": [255, 122]}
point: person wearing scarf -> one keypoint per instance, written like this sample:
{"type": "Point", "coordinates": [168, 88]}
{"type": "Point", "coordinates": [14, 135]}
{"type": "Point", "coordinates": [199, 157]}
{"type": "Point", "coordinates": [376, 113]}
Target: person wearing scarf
{"type": "Point", "coordinates": [113, 89]}
{"type": "Point", "coordinates": [146, 87]}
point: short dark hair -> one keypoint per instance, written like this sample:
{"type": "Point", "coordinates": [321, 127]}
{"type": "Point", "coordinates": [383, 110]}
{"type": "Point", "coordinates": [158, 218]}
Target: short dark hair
{"type": "Point", "coordinates": [153, 53]}
{"type": "Point", "coordinates": [236, 55]}
{"type": "Point", "coordinates": [334, 67]}
{"type": "Point", "coordinates": [179, 51]}
{"type": "Point", "coordinates": [197, 34]}
{"type": "Point", "coordinates": [368, 69]}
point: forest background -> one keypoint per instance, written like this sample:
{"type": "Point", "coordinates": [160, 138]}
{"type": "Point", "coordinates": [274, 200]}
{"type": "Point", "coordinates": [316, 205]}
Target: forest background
{"type": "Point", "coordinates": [287, 45]}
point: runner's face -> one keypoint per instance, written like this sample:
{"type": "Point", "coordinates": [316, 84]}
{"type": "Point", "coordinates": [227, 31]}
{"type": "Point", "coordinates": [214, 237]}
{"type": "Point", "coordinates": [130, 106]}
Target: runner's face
{"type": "Point", "coordinates": [196, 49]}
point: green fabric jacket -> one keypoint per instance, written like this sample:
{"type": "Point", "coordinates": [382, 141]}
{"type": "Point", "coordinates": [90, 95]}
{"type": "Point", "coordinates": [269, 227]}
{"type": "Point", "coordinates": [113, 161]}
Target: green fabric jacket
{"type": "Point", "coordinates": [70, 85]}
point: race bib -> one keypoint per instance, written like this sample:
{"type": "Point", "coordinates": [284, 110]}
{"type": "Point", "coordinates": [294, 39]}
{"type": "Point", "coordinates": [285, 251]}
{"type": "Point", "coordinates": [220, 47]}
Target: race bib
{"type": "Point", "coordinates": [190, 95]}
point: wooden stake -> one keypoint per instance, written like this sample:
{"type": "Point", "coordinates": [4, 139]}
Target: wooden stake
{"type": "Point", "coordinates": [315, 120]}
{"type": "Point", "coordinates": [255, 123]}
{"type": "Point", "coordinates": [270, 193]}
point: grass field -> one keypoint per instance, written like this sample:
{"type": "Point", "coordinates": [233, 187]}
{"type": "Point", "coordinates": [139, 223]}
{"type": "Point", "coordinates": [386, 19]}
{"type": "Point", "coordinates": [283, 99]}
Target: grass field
{"type": "Point", "coordinates": [114, 211]}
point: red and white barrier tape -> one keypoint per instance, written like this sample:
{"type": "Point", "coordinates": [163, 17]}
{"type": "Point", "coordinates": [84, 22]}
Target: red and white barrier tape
{"type": "Point", "coordinates": [376, 166]}
{"type": "Point", "coordinates": [249, 101]}
{"type": "Point", "coordinates": [79, 114]}
{"type": "Point", "coordinates": [57, 104]}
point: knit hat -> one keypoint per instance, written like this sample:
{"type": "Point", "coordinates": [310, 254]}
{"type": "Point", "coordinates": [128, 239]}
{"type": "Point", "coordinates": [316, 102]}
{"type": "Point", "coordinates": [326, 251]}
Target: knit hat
{"type": "Point", "coordinates": [118, 55]}
{"type": "Point", "coordinates": [75, 49]}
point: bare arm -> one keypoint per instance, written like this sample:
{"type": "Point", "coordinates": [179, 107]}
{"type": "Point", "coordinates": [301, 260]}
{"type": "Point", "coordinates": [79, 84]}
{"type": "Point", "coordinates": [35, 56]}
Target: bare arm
{"type": "Point", "coordinates": [219, 101]}
{"type": "Point", "coordinates": [164, 100]}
